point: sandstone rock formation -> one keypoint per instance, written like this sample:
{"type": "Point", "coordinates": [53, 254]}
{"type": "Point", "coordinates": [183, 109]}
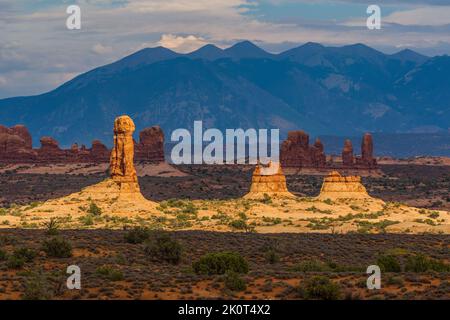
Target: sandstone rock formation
{"type": "Point", "coordinates": [118, 195]}
{"type": "Point", "coordinates": [16, 147]}
{"type": "Point", "coordinates": [296, 151]}
{"type": "Point", "coordinates": [348, 159]}
{"type": "Point", "coordinates": [268, 181]}
{"type": "Point", "coordinates": [151, 145]}
{"type": "Point", "coordinates": [336, 186]}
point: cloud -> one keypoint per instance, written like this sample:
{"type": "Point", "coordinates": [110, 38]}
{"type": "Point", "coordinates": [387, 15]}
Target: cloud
{"type": "Point", "coordinates": [101, 49]}
{"type": "Point", "coordinates": [429, 16]}
{"type": "Point", "coordinates": [3, 81]}
{"type": "Point", "coordinates": [180, 43]}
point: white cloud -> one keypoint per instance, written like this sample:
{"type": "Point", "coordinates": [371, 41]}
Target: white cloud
{"type": "Point", "coordinates": [180, 43]}
{"type": "Point", "coordinates": [101, 49]}
{"type": "Point", "coordinates": [426, 16]}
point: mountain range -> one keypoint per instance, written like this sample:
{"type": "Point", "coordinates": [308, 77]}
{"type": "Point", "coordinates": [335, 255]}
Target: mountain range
{"type": "Point", "coordinates": [323, 90]}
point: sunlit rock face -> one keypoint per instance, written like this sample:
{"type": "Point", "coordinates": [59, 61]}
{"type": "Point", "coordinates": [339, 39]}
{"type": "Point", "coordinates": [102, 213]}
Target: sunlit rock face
{"type": "Point", "coordinates": [268, 181]}
{"type": "Point", "coordinates": [336, 186]}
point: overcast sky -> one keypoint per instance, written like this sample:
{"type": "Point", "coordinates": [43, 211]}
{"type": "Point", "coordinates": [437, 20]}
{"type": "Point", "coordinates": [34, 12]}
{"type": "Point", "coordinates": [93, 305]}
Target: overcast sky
{"type": "Point", "coordinates": [38, 52]}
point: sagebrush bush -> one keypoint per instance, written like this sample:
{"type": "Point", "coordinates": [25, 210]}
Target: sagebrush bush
{"type": "Point", "coordinates": [272, 256]}
{"type": "Point", "coordinates": [234, 282]}
{"type": "Point", "coordinates": [137, 235]}
{"type": "Point", "coordinates": [57, 248]}
{"type": "Point", "coordinates": [389, 263]}
{"type": "Point", "coordinates": [3, 255]}
{"type": "Point", "coordinates": [37, 288]}
{"type": "Point", "coordinates": [26, 254]}
{"type": "Point", "coordinates": [94, 209]}
{"type": "Point", "coordinates": [160, 246]}
{"type": "Point", "coordinates": [220, 262]}
{"type": "Point", "coordinates": [109, 273]}
{"type": "Point", "coordinates": [320, 288]}
{"type": "Point", "coordinates": [422, 263]}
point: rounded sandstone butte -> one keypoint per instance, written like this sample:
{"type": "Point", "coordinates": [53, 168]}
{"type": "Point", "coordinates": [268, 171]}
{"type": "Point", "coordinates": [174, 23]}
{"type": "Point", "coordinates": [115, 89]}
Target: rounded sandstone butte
{"type": "Point", "coordinates": [336, 186]}
{"type": "Point", "coordinates": [122, 155]}
{"type": "Point", "coordinates": [23, 132]}
{"type": "Point", "coordinates": [48, 143]}
{"type": "Point", "coordinates": [151, 145]}
{"type": "Point", "coordinates": [347, 154]}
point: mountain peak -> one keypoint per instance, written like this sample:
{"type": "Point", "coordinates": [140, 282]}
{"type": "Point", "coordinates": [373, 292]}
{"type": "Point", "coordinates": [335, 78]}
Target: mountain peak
{"type": "Point", "coordinates": [208, 52]}
{"type": "Point", "coordinates": [409, 55]}
{"type": "Point", "coordinates": [246, 49]}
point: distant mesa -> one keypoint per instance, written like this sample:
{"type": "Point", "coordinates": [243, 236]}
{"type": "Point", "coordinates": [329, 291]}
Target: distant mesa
{"type": "Point", "coordinates": [336, 186]}
{"type": "Point", "coordinates": [16, 147]}
{"type": "Point", "coordinates": [296, 152]}
{"type": "Point", "coordinates": [268, 181]}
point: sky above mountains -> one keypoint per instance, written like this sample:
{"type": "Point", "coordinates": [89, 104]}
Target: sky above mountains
{"type": "Point", "coordinates": [38, 52]}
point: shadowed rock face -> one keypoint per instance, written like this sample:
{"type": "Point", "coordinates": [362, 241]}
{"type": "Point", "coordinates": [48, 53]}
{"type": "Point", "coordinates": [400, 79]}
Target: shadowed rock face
{"type": "Point", "coordinates": [347, 154]}
{"type": "Point", "coordinates": [151, 144]}
{"type": "Point", "coordinates": [296, 151]}
{"type": "Point", "coordinates": [122, 155]}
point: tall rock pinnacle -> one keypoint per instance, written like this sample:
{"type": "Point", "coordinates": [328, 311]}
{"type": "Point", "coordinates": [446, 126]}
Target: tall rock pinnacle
{"type": "Point", "coordinates": [122, 155]}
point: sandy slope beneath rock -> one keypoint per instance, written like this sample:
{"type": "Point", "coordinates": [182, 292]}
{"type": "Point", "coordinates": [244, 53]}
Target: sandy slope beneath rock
{"type": "Point", "coordinates": [297, 215]}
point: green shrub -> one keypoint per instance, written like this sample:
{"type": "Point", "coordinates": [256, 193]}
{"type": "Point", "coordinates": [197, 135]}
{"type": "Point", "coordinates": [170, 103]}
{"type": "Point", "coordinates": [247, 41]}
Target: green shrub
{"type": "Point", "coordinates": [52, 227]}
{"type": "Point", "coordinates": [37, 288]}
{"type": "Point", "coordinates": [271, 256]}
{"type": "Point", "coordinates": [319, 287]}
{"type": "Point", "coordinates": [15, 262]}
{"type": "Point", "coordinates": [57, 248]}
{"type": "Point", "coordinates": [389, 263]}
{"type": "Point", "coordinates": [94, 209]}
{"type": "Point", "coordinates": [109, 273]}
{"type": "Point", "coordinates": [3, 255]}
{"type": "Point", "coordinates": [422, 263]}
{"type": "Point", "coordinates": [311, 266]}
{"type": "Point", "coordinates": [137, 235]}
{"type": "Point", "coordinates": [266, 199]}
{"type": "Point", "coordinates": [220, 262]}
{"type": "Point", "coordinates": [162, 247]}
{"type": "Point", "coordinates": [26, 254]}
{"type": "Point", "coordinates": [234, 282]}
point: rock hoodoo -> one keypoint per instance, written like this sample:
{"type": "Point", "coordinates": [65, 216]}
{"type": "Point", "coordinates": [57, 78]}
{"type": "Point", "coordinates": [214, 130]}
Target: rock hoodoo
{"type": "Point", "coordinates": [347, 154]}
{"type": "Point", "coordinates": [268, 181]}
{"type": "Point", "coordinates": [151, 144]}
{"type": "Point", "coordinates": [295, 152]}
{"type": "Point", "coordinates": [336, 186]}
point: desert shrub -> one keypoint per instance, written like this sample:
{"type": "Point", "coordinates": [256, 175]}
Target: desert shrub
{"type": "Point", "coordinates": [234, 282]}
{"type": "Point", "coordinates": [311, 266]}
{"type": "Point", "coordinates": [389, 263]}
{"type": "Point", "coordinates": [422, 263]}
{"type": "Point", "coordinates": [57, 248]}
{"type": "Point", "coordinates": [37, 288]}
{"type": "Point", "coordinates": [162, 247]}
{"type": "Point", "coordinates": [109, 273]}
{"type": "Point", "coordinates": [241, 224]}
{"type": "Point", "coordinates": [266, 199]}
{"type": "Point", "coordinates": [271, 256]}
{"type": "Point", "coordinates": [26, 254]}
{"type": "Point", "coordinates": [319, 287]}
{"type": "Point", "coordinates": [3, 255]}
{"type": "Point", "coordinates": [94, 209]}
{"type": "Point", "coordinates": [137, 235]}
{"type": "Point", "coordinates": [15, 262]}
{"type": "Point", "coordinates": [52, 227]}
{"type": "Point", "coordinates": [87, 220]}
{"type": "Point", "coordinates": [220, 262]}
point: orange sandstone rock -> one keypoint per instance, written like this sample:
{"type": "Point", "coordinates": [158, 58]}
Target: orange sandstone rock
{"type": "Point", "coordinates": [336, 186]}
{"type": "Point", "coordinates": [268, 181]}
